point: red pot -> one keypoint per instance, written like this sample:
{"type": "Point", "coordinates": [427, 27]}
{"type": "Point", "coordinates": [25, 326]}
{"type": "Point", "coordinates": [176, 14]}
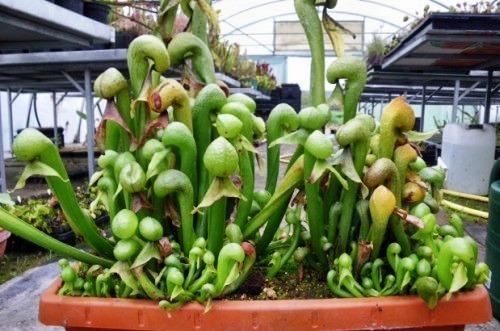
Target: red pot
{"type": "Point", "coordinates": [4, 235]}
{"type": "Point", "coordinates": [410, 312]}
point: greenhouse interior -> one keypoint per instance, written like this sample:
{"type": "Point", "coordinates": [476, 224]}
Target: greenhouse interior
{"type": "Point", "coordinates": [257, 165]}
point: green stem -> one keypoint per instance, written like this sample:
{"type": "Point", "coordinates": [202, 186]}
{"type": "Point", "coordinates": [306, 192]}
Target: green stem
{"type": "Point", "coordinates": [178, 135]}
{"type": "Point", "coordinates": [292, 179]}
{"type": "Point", "coordinates": [308, 16]}
{"type": "Point", "coordinates": [174, 181]}
{"type": "Point", "coordinates": [216, 225]}
{"type": "Point", "coordinates": [40, 238]}
{"type": "Point", "coordinates": [141, 51]}
{"type": "Point", "coordinates": [282, 119]}
{"type": "Point", "coordinates": [274, 221]}
{"type": "Point", "coordinates": [334, 287]}
{"type": "Point", "coordinates": [241, 111]}
{"type": "Point", "coordinates": [332, 192]}
{"type": "Point", "coordinates": [147, 285]}
{"type": "Point", "coordinates": [362, 209]}
{"type": "Point", "coordinates": [29, 145]}
{"type": "Point", "coordinates": [291, 249]}
{"type": "Point", "coordinates": [186, 45]}
{"type": "Point", "coordinates": [356, 134]}
{"type": "Point", "coordinates": [247, 188]}
{"type": "Point", "coordinates": [229, 255]}
{"type": "Point", "coordinates": [315, 214]}
{"type": "Point", "coordinates": [243, 114]}
{"type": "Point", "coordinates": [108, 186]}
{"type": "Point", "coordinates": [245, 268]}
{"type": "Point", "coordinates": [208, 102]}
{"type": "Point", "coordinates": [354, 70]}
{"type": "Point", "coordinates": [111, 83]}
{"type": "Point", "coordinates": [384, 171]}
{"type": "Point", "coordinates": [334, 213]}
{"type": "Point", "coordinates": [166, 20]}
{"type": "Point", "coordinates": [207, 276]}
{"type": "Point", "coordinates": [199, 23]}
{"type": "Point", "coordinates": [452, 251]}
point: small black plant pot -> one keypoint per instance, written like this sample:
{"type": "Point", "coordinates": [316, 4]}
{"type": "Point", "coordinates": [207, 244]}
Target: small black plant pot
{"type": "Point", "coordinates": [123, 39]}
{"type": "Point", "coordinates": [475, 126]}
{"type": "Point", "coordinates": [73, 5]}
{"type": "Point", "coordinates": [17, 244]}
{"type": "Point", "coordinates": [97, 11]}
{"type": "Point", "coordinates": [65, 236]}
{"type": "Point", "coordinates": [102, 220]}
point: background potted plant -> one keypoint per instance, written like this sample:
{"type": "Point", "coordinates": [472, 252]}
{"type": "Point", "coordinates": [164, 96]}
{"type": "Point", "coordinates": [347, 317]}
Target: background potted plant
{"type": "Point", "coordinates": [375, 51]}
{"type": "Point", "coordinates": [226, 56]}
{"type": "Point", "coordinates": [45, 214]}
{"type": "Point", "coordinates": [246, 73]}
{"type": "Point", "coordinates": [40, 213]}
{"type": "Point", "coordinates": [131, 21]}
{"type": "Point", "coordinates": [266, 81]}
{"type": "Point", "coordinates": [228, 60]}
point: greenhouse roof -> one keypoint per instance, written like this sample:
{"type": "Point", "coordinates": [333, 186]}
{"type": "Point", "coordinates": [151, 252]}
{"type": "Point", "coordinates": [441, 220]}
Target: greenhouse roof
{"type": "Point", "coordinates": [469, 44]}
{"type": "Point", "coordinates": [255, 26]}
{"type": "Point", "coordinates": [252, 24]}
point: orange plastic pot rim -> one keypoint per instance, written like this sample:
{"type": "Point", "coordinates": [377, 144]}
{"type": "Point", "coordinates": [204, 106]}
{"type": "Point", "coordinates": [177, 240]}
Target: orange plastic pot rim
{"type": "Point", "coordinates": [471, 307]}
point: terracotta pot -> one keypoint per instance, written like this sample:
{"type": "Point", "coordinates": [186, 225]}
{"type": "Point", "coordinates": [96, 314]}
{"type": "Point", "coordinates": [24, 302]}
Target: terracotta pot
{"type": "Point", "coordinates": [4, 235]}
{"type": "Point", "coordinates": [409, 312]}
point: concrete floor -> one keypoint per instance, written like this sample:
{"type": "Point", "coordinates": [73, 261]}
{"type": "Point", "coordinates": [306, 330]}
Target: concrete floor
{"type": "Point", "coordinates": [19, 299]}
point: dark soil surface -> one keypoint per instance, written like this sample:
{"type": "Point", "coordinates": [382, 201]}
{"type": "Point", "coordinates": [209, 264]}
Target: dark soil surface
{"type": "Point", "coordinates": [286, 285]}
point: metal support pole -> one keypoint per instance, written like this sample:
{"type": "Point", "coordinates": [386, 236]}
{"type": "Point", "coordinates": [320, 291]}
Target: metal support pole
{"type": "Point", "coordinates": [456, 96]}
{"type": "Point", "coordinates": [74, 82]}
{"type": "Point", "coordinates": [90, 123]}
{"type": "Point", "coordinates": [11, 121]}
{"type": "Point", "coordinates": [422, 115]}
{"type": "Point", "coordinates": [3, 178]}
{"type": "Point", "coordinates": [54, 114]}
{"type": "Point", "coordinates": [487, 102]}
{"type": "Point", "coordinates": [28, 117]}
